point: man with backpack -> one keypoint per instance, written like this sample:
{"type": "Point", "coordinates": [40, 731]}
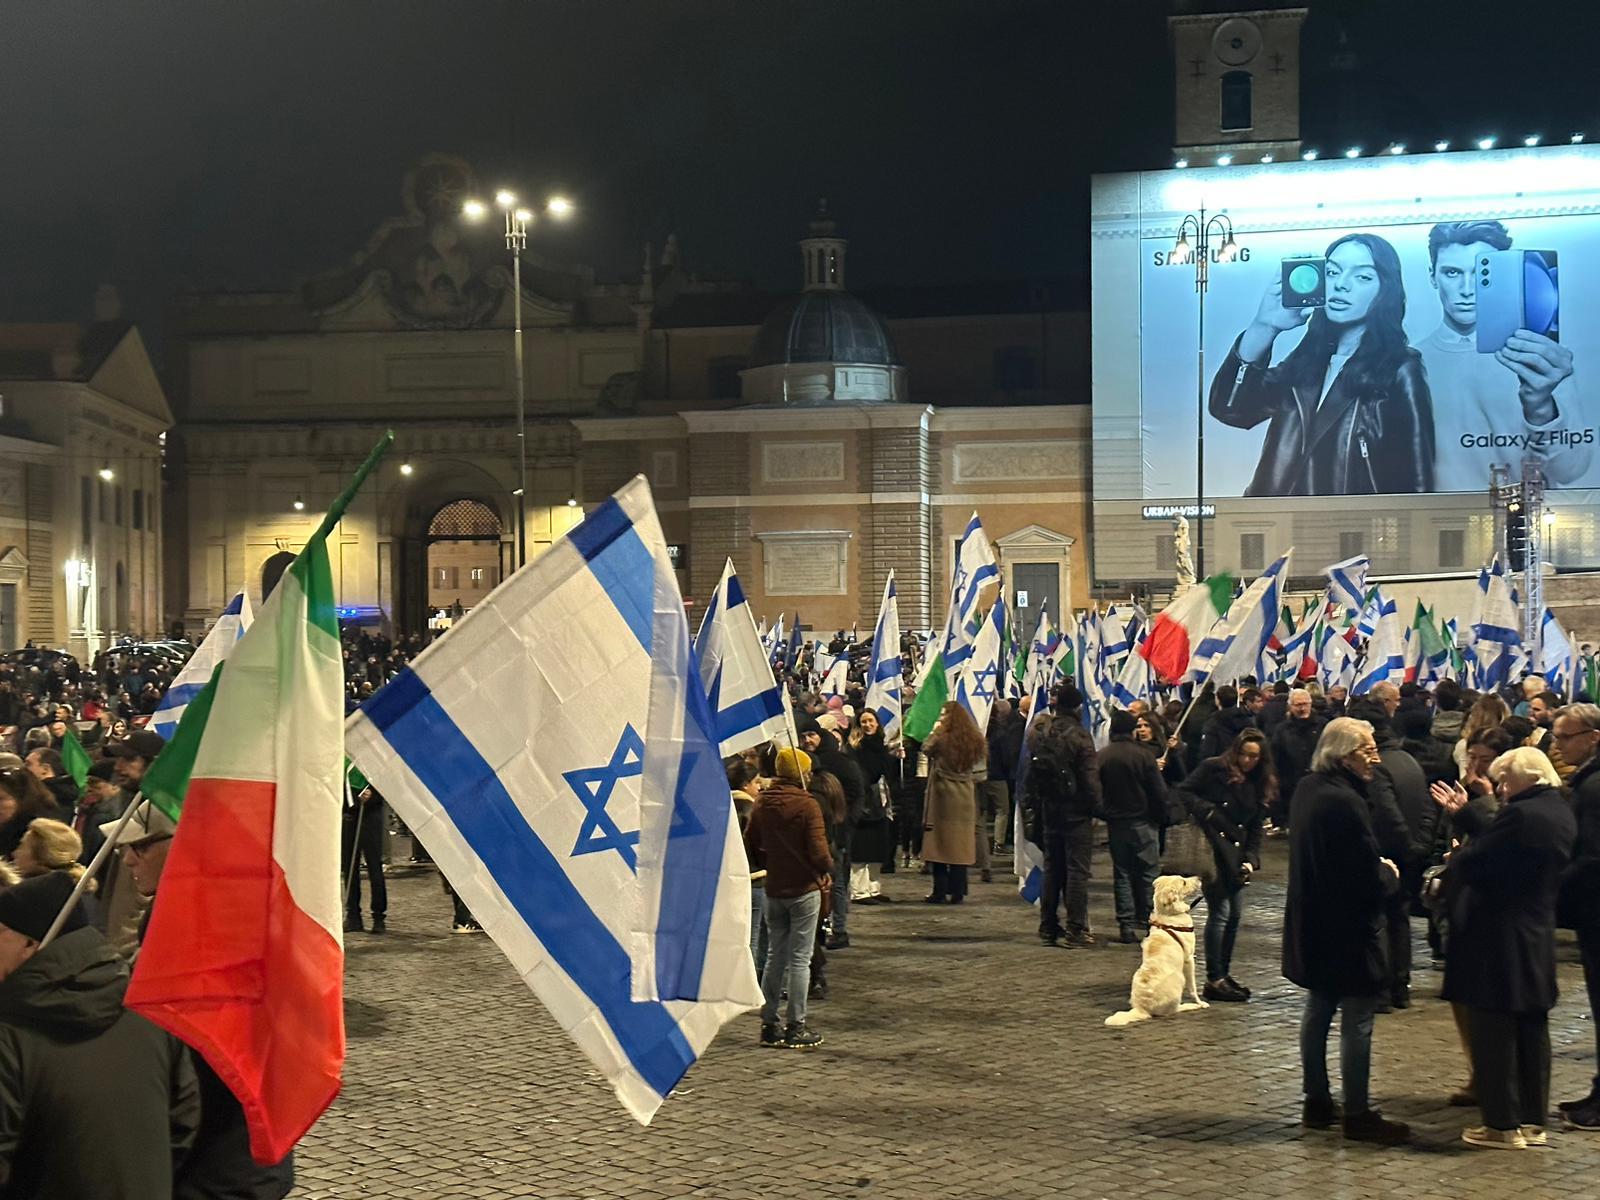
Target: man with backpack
{"type": "Point", "coordinates": [1061, 789]}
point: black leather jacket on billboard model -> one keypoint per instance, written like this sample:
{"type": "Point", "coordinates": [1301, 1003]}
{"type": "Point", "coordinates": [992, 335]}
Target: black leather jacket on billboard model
{"type": "Point", "coordinates": [1357, 442]}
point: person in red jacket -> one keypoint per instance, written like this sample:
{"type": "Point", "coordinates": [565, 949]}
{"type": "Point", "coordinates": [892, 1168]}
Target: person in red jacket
{"type": "Point", "coordinates": [785, 836]}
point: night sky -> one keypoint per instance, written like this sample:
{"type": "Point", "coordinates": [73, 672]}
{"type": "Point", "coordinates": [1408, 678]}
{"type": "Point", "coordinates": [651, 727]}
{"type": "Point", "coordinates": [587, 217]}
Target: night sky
{"type": "Point", "coordinates": [250, 143]}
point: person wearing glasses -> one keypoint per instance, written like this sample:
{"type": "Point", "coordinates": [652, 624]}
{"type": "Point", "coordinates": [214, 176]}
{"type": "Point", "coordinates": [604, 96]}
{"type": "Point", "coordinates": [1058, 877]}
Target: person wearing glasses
{"type": "Point", "coordinates": [220, 1162]}
{"type": "Point", "coordinates": [1576, 733]}
{"type": "Point", "coordinates": [1333, 922]}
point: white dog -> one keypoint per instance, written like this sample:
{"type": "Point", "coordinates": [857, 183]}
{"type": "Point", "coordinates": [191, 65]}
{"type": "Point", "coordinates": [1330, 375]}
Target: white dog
{"type": "Point", "coordinates": [1168, 966]}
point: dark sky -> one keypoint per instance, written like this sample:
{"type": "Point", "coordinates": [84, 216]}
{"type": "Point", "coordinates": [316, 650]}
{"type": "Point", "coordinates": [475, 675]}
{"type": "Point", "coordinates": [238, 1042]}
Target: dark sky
{"type": "Point", "coordinates": [249, 143]}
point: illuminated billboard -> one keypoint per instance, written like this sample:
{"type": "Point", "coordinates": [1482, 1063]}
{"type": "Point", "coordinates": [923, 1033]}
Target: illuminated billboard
{"type": "Point", "coordinates": [1389, 326]}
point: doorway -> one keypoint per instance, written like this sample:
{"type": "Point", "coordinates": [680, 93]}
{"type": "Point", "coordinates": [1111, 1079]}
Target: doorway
{"type": "Point", "coordinates": [464, 558]}
{"type": "Point", "coordinates": [1038, 585]}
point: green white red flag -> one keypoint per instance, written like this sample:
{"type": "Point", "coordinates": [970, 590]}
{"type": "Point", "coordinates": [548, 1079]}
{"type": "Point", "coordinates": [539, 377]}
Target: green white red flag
{"type": "Point", "coordinates": [1179, 627]}
{"type": "Point", "coordinates": [244, 956]}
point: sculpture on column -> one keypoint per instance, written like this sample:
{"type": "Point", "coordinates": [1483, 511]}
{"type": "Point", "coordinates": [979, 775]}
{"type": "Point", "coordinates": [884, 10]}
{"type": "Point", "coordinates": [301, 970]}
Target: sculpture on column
{"type": "Point", "coordinates": [1180, 554]}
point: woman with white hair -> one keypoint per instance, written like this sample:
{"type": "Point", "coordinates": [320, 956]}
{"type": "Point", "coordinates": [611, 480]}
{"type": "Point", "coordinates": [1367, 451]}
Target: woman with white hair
{"type": "Point", "coordinates": [1501, 891]}
{"type": "Point", "coordinates": [1333, 923]}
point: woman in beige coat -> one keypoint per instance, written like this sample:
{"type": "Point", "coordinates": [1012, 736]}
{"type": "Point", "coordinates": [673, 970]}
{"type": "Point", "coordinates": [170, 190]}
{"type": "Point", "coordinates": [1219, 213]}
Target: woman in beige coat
{"type": "Point", "coordinates": [955, 750]}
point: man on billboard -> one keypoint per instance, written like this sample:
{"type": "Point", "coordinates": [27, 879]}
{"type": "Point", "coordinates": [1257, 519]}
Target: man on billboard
{"type": "Point", "coordinates": [1499, 407]}
{"type": "Point", "coordinates": [1349, 407]}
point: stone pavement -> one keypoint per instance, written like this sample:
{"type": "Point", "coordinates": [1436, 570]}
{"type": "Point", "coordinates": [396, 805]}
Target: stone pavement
{"type": "Point", "coordinates": [962, 1060]}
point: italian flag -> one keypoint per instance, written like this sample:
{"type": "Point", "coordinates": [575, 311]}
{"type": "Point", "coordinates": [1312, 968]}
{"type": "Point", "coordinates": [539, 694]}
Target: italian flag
{"type": "Point", "coordinates": [1179, 627]}
{"type": "Point", "coordinates": [244, 956]}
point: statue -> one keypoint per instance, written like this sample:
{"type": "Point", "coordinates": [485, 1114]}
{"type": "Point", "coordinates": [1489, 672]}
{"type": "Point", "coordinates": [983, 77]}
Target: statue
{"type": "Point", "coordinates": [1180, 554]}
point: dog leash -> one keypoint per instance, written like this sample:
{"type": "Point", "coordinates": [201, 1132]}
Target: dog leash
{"type": "Point", "coordinates": [1173, 930]}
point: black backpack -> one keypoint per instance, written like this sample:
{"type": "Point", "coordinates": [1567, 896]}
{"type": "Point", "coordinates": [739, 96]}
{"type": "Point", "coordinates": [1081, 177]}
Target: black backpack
{"type": "Point", "coordinates": [1052, 780]}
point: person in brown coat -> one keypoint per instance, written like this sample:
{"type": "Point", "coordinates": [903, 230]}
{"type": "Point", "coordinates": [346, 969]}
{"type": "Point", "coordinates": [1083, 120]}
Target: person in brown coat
{"type": "Point", "coordinates": [786, 837]}
{"type": "Point", "coordinates": [955, 750]}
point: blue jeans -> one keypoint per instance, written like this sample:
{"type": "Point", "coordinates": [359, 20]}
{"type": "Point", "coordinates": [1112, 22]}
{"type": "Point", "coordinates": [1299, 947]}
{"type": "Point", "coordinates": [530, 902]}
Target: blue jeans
{"type": "Point", "coordinates": [758, 926]}
{"type": "Point", "coordinates": [1355, 1047]}
{"type": "Point", "coordinates": [841, 888]}
{"type": "Point", "coordinates": [1135, 862]}
{"type": "Point", "coordinates": [792, 926]}
{"type": "Point", "coordinates": [1223, 910]}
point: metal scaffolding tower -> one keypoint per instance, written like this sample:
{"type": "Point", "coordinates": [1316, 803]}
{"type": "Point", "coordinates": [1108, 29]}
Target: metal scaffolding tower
{"type": "Point", "coordinates": [1519, 539]}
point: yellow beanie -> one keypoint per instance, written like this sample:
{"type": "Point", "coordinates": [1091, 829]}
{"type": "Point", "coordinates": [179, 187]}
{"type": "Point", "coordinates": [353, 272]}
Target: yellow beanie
{"type": "Point", "coordinates": [793, 764]}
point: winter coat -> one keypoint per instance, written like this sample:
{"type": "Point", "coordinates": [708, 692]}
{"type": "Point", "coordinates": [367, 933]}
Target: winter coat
{"type": "Point", "coordinates": [1446, 728]}
{"type": "Point", "coordinates": [1005, 746]}
{"type": "Point", "coordinates": [1580, 881]}
{"type": "Point", "coordinates": [1501, 890]}
{"type": "Point", "coordinates": [1063, 735]}
{"type": "Point", "coordinates": [872, 838]}
{"type": "Point", "coordinates": [839, 763]}
{"type": "Point", "coordinates": [950, 809]}
{"type": "Point", "coordinates": [220, 1167]}
{"type": "Point", "coordinates": [1333, 917]}
{"type": "Point", "coordinates": [96, 1103]}
{"type": "Point", "coordinates": [1293, 743]}
{"type": "Point", "coordinates": [1131, 787]}
{"type": "Point", "coordinates": [1225, 725]}
{"type": "Point", "coordinates": [786, 836]}
{"type": "Point", "coordinates": [1356, 440]}
{"type": "Point", "coordinates": [65, 790]}
{"type": "Point", "coordinates": [1231, 815]}
{"type": "Point", "coordinates": [1409, 783]}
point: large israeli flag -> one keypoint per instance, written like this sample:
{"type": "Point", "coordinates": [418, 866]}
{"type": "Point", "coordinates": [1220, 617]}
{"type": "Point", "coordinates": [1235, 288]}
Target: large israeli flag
{"type": "Point", "coordinates": [554, 751]}
{"type": "Point", "coordinates": [1233, 647]}
{"type": "Point", "coordinates": [196, 673]}
{"type": "Point", "coordinates": [1558, 659]}
{"type": "Point", "coordinates": [975, 571]}
{"type": "Point", "coordinates": [734, 667]}
{"type": "Point", "coordinates": [1385, 659]}
{"type": "Point", "coordinates": [1496, 641]}
{"type": "Point", "coordinates": [1347, 584]}
{"type": "Point", "coordinates": [885, 673]}
{"type": "Point", "coordinates": [980, 682]}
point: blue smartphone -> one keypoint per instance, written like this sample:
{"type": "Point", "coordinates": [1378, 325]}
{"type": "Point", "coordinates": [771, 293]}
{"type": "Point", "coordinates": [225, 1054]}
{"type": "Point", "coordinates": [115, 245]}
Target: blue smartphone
{"type": "Point", "coordinates": [1516, 289]}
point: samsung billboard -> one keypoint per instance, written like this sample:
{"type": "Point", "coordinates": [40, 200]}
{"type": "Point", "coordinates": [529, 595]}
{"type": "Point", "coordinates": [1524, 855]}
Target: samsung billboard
{"type": "Point", "coordinates": [1388, 326]}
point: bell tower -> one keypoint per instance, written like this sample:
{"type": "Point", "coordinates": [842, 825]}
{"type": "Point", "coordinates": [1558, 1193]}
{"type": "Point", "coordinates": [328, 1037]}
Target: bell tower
{"type": "Point", "coordinates": [1238, 83]}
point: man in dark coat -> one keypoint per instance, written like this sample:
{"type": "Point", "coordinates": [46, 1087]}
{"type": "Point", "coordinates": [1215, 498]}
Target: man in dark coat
{"type": "Point", "coordinates": [1333, 927]}
{"type": "Point", "coordinates": [1004, 735]}
{"type": "Point", "coordinates": [95, 1101]}
{"type": "Point", "coordinates": [1577, 732]}
{"type": "Point", "coordinates": [1402, 777]}
{"type": "Point", "coordinates": [1293, 743]}
{"type": "Point", "coordinates": [1061, 782]}
{"type": "Point", "coordinates": [1501, 890]}
{"type": "Point", "coordinates": [1133, 799]}
{"type": "Point", "coordinates": [1230, 719]}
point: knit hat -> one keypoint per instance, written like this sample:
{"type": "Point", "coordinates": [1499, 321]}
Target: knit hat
{"type": "Point", "coordinates": [792, 764]}
{"type": "Point", "coordinates": [30, 907]}
{"type": "Point", "coordinates": [804, 725]}
{"type": "Point", "coordinates": [104, 770]}
{"type": "Point", "coordinates": [1067, 697]}
{"type": "Point", "coordinates": [1122, 723]}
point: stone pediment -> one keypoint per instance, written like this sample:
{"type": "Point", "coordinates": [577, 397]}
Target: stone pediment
{"type": "Point", "coordinates": [1035, 538]}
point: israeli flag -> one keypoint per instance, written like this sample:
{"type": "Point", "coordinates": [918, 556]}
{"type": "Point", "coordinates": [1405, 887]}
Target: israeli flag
{"type": "Point", "coordinates": [980, 681]}
{"type": "Point", "coordinates": [1027, 858]}
{"type": "Point", "coordinates": [1557, 657]}
{"type": "Point", "coordinates": [1233, 647]}
{"type": "Point", "coordinates": [555, 752]}
{"type": "Point", "coordinates": [745, 700]}
{"type": "Point", "coordinates": [975, 571]}
{"type": "Point", "coordinates": [197, 672]}
{"type": "Point", "coordinates": [884, 671]}
{"type": "Point", "coordinates": [1385, 660]}
{"type": "Point", "coordinates": [837, 676]}
{"type": "Point", "coordinates": [1496, 642]}
{"type": "Point", "coordinates": [1347, 583]}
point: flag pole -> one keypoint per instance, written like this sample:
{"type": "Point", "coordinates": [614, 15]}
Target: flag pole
{"type": "Point", "coordinates": [89, 872]}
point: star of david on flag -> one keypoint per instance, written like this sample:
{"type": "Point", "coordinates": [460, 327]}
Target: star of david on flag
{"type": "Point", "coordinates": [557, 754]}
{"type": "Point", "coordinates": [594, 786]}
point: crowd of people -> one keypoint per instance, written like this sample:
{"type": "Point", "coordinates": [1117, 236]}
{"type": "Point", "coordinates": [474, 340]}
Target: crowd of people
{"type": "Point", "coordinates": [1474, 817]}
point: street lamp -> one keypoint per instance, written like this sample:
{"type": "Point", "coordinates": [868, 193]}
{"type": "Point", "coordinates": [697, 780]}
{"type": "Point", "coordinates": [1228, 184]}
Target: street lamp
{"type": "Point", "coordinates": [517, 220]}
{"type": "Point", "coordinates": [1198, 252]}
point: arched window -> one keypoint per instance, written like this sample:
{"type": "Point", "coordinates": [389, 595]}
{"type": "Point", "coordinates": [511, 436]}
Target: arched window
{"type": "Point", "coordinates": [1236, 100]}
{"type": "Point", "coordinates": [464, 519]}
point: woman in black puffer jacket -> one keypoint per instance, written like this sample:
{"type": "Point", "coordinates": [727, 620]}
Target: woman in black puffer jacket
{"type": "Point", "coordinates": [1228, 795]}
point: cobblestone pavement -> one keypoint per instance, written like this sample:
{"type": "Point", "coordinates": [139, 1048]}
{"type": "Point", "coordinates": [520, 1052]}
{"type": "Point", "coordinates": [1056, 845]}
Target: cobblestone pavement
{"type": "Point", "coordinates": [962, 1060]}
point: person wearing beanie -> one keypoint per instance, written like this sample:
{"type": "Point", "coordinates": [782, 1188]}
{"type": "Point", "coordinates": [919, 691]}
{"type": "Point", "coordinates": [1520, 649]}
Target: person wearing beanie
{"type": "Point", "coordinates": [100, 804]}
{"type": "Point", "coordinates": [1134, 801]}
{"type": "Point", "coordinates": [97, 1102]}
{"type": "Point", "coordinates": [785, 838]}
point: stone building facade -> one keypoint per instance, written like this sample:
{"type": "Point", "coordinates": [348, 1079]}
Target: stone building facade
{"type": "Point", "coordinates": [817, 439]}
{"type": "Point", "coordinates": [82, 421]}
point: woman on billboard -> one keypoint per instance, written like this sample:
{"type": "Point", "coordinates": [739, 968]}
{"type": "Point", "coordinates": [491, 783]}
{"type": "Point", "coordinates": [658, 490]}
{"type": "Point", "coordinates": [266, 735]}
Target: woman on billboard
{"type": "Point", "coordinates": [1348, 407]}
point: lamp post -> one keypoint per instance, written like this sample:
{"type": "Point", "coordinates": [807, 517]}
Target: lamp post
{"type": "Point", "coordinates": [1199, 253]}
{"type": "Point", "coordinates": [517, 220]}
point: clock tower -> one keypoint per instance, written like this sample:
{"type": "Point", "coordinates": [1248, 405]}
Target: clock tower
{"type": "Point", "coordinates": [1238, 83]}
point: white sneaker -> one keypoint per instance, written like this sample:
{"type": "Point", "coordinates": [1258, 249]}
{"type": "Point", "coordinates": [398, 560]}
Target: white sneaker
{"type": "Point", "coordinates": [1535, 1135]}
{"type": "Point", "coordinates": [1485, 1138]}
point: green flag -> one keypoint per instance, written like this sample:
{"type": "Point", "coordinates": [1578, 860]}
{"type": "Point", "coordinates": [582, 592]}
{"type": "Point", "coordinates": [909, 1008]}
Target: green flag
{"type": "Point", "coordinates": [76, 758]}
{"type": "Point", "coordinates": [924, 710]}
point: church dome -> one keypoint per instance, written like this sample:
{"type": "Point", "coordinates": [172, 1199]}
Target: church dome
{"type": "Point", "coordinates": [823, 327]}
